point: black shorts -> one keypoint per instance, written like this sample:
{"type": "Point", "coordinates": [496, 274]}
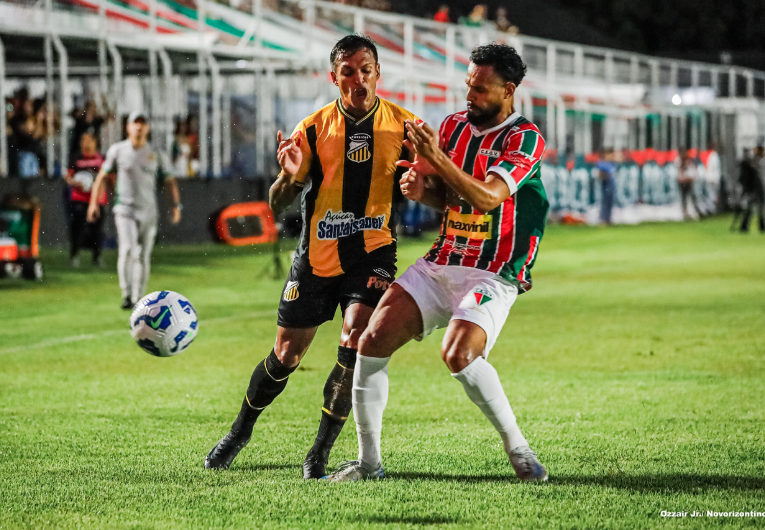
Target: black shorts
{"type": "Point", "coordinates": [308, 300]}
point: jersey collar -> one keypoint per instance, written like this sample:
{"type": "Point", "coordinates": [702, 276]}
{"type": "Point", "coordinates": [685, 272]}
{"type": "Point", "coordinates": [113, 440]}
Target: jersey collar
{"type": "Point", "coordinates": [510, 119]}
{"type": "Point", "coordinates": [364, 118]}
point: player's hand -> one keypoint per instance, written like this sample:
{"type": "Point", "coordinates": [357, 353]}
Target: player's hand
{"type": "Point", "coordinates": [289, 154]}
{"type": "Point", "coordinates": [423, 139]}
{"type": "Point", "coordinates": [420, 165]}
{"type": "Point", "coordinates": [413, 185]}
{"type": "Point", "coordinates": [94, 212]}
{"type": "Point", "coordinates": [176, 215]}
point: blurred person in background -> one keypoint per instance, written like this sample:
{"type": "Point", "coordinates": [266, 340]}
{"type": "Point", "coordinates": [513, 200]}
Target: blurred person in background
{"type": "Point", "coordinates": [476, 18]}
{"type": "Point", "coordinates": [607, 175]}
{"type": "Point", "coordinates": [442, 15]}
{"type": "Point", "coordinates": [181, 151]}
{"type": "Point", "coordinates": [86, 118]}
{"type": "Point", "coordinates": [80, 177]}
{"type": "Point", "coordinates": [687, 173]}
{"type": "Point", "coordinates": [140, 170]}
{"type": "Point", "coordinates": [28, 131]}
{"type": "Point", "coordinates": [503, 23]}
{"type": "Point", "coordinates": [753, 190]}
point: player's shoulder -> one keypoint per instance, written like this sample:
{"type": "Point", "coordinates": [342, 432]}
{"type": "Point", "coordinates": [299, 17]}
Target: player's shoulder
{"type": "Point", "coordinates": [523, 125]}
{"type": "Point", "coordinates": [320, 116]}
{"type": "Point", "coordinates": [397, 112]}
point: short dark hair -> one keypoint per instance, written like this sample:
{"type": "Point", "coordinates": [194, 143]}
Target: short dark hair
{"type": "Point", "coordinates": [349, 45]}
{"type": "Point", "coordinates": [503, 58]}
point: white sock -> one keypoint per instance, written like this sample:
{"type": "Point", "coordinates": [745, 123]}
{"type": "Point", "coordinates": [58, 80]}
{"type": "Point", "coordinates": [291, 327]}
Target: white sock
{"type": "Point", "coordinates": [370, 395]}
{"type": "Point", "coordinates": [483, 387]}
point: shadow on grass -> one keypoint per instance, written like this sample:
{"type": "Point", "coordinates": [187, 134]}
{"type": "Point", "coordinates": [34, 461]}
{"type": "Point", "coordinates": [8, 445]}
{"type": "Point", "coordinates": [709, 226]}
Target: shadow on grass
{"type": "Point", "coordinates": [394, 519]}
{"type": "Point", "coordinates": [678, 482]}
{"type": "Point", "coordinates": [265, 467]}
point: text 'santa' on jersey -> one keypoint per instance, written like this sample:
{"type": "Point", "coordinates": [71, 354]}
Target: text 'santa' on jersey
{"type": "Point", "coordinates": [350, 176]}
{"type": "Point", "coordinates": [505, 240]}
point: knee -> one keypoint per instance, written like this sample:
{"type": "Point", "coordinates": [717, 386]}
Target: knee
{"type": "Point", "coordinates": [372, 344]}
{"type": "Point", "coordinates": [134, 252]}
{"type": "Point", "coordinates": [352, 338]}
{"type": "Point", "coordinates": [456, 359]}
{"type": "Point", "coordinates": [288, 356]}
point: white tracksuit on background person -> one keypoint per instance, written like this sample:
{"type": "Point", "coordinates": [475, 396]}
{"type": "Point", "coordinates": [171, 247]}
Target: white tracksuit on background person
{"type": "Point", "coordinates": [139, 172]}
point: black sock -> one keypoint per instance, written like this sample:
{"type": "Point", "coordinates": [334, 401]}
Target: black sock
{"type": "Point", "coordinates": [268, 381]}
{"type": "Point", "coordinates": [337, 402]}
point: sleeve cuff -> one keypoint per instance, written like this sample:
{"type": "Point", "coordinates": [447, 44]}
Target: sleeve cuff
{"type": "Point", "coordinates": [505, 175]}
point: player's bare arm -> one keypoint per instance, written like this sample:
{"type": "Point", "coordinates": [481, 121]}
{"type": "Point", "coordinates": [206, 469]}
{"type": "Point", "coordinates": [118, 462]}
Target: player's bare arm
{"type": "Point", "coordinates": [483, 196]}
{"type": "Point", "coordinates": [285, 189]}
{"type": "Point", "coordinates": [94, 211]}
{"type": "Point", "coordinates": [171, 185]}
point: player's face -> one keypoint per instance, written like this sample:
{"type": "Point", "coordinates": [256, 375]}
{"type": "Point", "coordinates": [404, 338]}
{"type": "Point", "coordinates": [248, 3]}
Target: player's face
{"type": "Point", "coordinates": [356, 76]}
{"type": "Point", "coordinates": [138, 130]}
{"type": "Point", "coordinates": [487, 94]}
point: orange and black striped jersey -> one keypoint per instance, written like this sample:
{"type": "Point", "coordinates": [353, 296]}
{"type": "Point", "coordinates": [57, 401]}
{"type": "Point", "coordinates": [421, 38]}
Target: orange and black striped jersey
{"type": "Point", "coordinates": [350, 175]}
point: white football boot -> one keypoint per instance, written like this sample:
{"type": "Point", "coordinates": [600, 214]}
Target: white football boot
{"type": "Point", "coordinates": [526, 464]}
{"type": "Point", "coordinates": [355, 470]}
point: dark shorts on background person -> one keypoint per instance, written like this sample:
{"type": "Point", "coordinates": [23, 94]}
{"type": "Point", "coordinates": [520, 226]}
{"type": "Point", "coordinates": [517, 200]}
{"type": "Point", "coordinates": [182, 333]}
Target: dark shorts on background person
{"type": "Point", "coordinates": [308, 300]}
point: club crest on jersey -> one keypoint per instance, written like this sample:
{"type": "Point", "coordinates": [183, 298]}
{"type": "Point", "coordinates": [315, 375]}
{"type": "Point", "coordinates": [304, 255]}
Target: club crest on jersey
{"type": "Point", "coordinates": [482, 296]}
{"type": "Point", "coordinates": [291, 291]}
{"type": "Point", "coordinates": [358, 150]}
{"type": "Point", "coordinates": [471, 226]}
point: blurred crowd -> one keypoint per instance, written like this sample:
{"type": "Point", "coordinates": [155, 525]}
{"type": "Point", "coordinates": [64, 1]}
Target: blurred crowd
{"type": "Point", "coordinates": [27, 130]}
{"type": "Point", "coordinates": [479, 18]}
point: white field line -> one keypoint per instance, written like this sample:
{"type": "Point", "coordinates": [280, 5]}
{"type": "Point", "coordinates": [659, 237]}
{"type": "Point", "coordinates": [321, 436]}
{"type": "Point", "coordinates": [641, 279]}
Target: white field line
{"type": "Point", "coordinates": [91, 336]}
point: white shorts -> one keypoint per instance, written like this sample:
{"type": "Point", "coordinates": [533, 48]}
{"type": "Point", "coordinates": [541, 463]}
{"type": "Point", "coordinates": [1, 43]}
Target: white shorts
{"type": "Point", "coordinates": [448, 292]}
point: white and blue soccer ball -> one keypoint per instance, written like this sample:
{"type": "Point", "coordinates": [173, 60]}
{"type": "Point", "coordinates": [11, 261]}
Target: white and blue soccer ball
{"type": "Point", "coordinates": [164, 323]}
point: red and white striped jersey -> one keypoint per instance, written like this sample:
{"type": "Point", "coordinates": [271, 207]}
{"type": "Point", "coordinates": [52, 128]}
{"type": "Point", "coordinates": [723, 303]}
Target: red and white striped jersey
{"type": "Point", "coordinates": [505, 240]}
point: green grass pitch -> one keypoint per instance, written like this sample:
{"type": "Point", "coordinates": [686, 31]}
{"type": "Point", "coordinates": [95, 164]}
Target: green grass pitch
{"type": "Point", "coordinates": [636, 367]}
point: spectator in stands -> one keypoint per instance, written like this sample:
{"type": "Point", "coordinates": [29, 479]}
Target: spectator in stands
{"type": "Point", "coordinates": [181, 151]}
{"type": "Point", "coordinates": [85, 119]}
{"type": "Point", "coordinates": [476, 18]}
{"type": "Point", "coordinates": [607, 174]}
{"type": "Point", "coordinates": [83, 169]}
{"type": "Point", "coordinates": [442, 15]}
{"type": "Point", "coordinates": [27, 155]}
{"type": "Point", "coordinates": [753, 196]}
{"type": "Point", "coordinates": [687, 173]}
{"type": "Point", "coordinates": [503, 22]}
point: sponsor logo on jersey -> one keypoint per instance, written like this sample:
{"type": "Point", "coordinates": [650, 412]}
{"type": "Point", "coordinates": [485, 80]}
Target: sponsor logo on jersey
{"type": "Point", "coordinates": [375, 282]}
{"type": "Point", "coordinates": [341, 224]}
{"type": "Point", "coordinates": [358, 150]}
{"type": "Point", "coordinates": [489, 152]}
{"type": "Point", "coordinates": [382, 272]}
{"type": "Point", "coordinates": [471, 226]}
{"type": "Point", "coordinates": [291, 291]}
{"type": "Point", "coordinates": [482, 296]}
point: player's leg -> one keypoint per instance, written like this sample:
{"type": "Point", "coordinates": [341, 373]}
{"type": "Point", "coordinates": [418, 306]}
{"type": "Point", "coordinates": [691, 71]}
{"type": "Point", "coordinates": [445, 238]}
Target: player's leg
{"type": "Point", "coordinates": [97, 233]}
{"type": "Point", "coordinates": [469, 338]}
{"type": "Point", "coordinates": [128, 251]}
{"type": "Point", "coordinates": [268, 381]}
{"type": "Point", "coordinates": [395, 321]}
{"type": "Point", "coordinates": [142, 265]}
{"type": "Point", "coordinates": [337, 390]}
{"type": "Point", "coordinates": [77, 222]}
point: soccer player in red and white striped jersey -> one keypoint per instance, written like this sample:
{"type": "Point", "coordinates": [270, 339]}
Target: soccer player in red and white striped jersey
{"type": "Point", "coordinates": [483, 171]}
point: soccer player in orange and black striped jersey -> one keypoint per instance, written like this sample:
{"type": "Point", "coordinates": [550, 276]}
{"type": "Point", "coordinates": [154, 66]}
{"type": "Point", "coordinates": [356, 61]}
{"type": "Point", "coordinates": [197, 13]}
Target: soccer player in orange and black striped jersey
{"type": "Point", "coordinates": [342, 161]}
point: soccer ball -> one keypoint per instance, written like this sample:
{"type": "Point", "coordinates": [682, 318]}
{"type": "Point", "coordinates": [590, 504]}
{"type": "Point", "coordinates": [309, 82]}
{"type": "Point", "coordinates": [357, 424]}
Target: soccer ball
{"type": "Point", "coordinates": [164, 323]}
